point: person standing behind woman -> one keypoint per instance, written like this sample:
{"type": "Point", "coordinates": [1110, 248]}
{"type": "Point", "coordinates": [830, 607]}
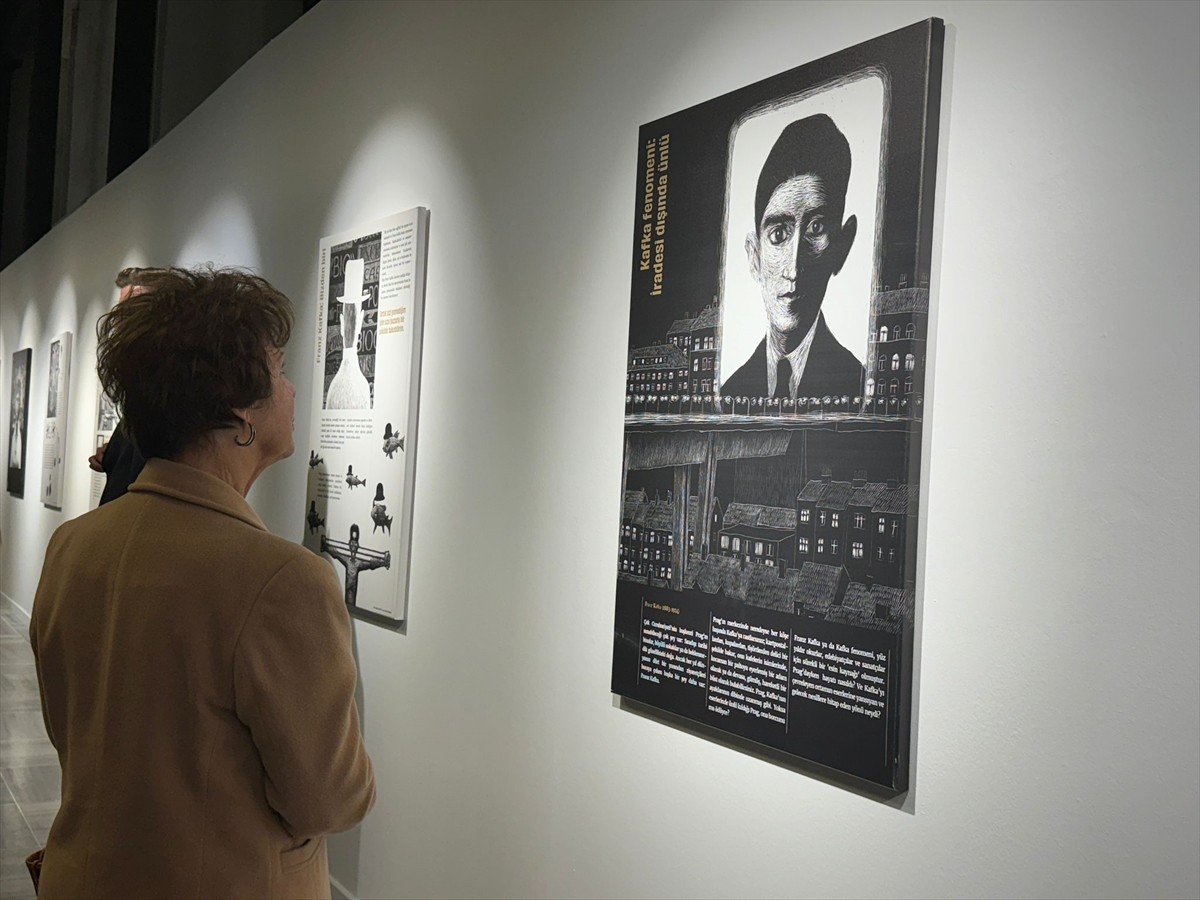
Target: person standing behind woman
{"type": "Point", "coordinates": [118, 458]}
{"type": "Point", "coordinates": [196, 671]}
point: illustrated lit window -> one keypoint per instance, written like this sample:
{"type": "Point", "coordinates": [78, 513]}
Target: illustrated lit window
{"type": "Point", "coordinates": [908, 385]}
{"type": "Point", "coordinates": [881, 525]}
{"type": "Point", "coordinates": [882, 362]}
{"type": "Point", "coordinates": [802, 545]}
{"type": "Point", "coordinates": [724, 542]}
{"type": "Point", "coordinates": [883, 333]}
{"type": "Point", "coordinates": [804, 515]}
{"type": "Point", "coordinates": [895, 362]}
{"type": "Point", "coordinates": [737, 545]}
{"type": "Point", "coordinates": [856, 550]}
{"type": "Point", "coordinates": [758, 548]}
{"type": "Point", "coordinates": [910, 361]}
{"type": "Point", "coordinates": [860, 520]}
{"type": "Point", "coordinates": [879, 553]}
{"type": "Point", "coordinates": [870, 387]}
{"type": "Point", "coordinates": [833, 547]}
{"type": "Point", "coordinates": [822, 517]}
{"type": "Point", "coordinates": [820, 545]}
{"type": "Point", "coordinates": [910, 330]}
{"type": "Point", "coordinates": [895, 386]}
{"type": "Point", "coordinates": [892, 555]}
{"type": "Point", "coordinates": [895, 526]}
{"type": "Point", "coordinates": [671, 539]}
{"type": "Point", "coordinates": [833, 520]}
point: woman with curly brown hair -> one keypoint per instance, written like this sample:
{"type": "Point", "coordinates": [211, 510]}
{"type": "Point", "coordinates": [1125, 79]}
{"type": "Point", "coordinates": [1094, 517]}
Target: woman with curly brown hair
{"type": "Point", "coordinates": [196, 671]}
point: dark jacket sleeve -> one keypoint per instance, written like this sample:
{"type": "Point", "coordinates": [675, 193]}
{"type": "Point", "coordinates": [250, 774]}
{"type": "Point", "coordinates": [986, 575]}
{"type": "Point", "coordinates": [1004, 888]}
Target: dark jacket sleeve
{"type": "Point", "coordinates": [294, 680]}
{"type": "Point", "coordinates": [750, 380]}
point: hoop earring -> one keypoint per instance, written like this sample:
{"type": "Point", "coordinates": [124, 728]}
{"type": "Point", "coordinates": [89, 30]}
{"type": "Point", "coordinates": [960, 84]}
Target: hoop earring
{"type": "Point", "coordinates": [239, 442]}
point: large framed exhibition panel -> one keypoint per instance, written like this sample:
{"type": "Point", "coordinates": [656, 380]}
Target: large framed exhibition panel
{"type": "Point", "coordinates": [775, 388]}
{"type": "Point", "coordinates": [366, 385]}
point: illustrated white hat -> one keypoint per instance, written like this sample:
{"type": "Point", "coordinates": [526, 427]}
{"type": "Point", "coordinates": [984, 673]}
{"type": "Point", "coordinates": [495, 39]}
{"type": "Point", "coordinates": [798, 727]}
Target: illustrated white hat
{"type": "Point", "coordinates": [352, 291]}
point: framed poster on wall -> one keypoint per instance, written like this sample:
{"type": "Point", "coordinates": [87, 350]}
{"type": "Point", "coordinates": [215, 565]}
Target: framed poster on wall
{"type": "Point", "coordinates": [107, 418]}
{"type": "Point", "coordinates": [773, 412]}
{"type": "Point", "coordinates": [362, 446]}
{"type": "Point", "coordinates": [18, 420]}
{"type": "Point", "coordinates": [54, 436]}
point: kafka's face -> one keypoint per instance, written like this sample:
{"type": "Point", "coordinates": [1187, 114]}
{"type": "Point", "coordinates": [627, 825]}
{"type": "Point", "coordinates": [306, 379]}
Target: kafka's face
{"type": "Point", "coordinates": [796, 250]}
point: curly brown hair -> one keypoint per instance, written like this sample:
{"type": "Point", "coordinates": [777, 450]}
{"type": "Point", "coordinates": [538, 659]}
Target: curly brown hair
{"type": "Point", "coordinates": [179, 356]}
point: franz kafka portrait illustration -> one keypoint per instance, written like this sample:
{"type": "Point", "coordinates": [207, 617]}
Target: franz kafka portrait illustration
{"type": "Point", "coordinates": [799, 241]}
{"type": "Point", "coordinates": [799, 257]}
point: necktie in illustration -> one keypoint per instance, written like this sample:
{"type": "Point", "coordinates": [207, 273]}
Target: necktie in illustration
{"type": "Point", "coordinates": [783, 380]}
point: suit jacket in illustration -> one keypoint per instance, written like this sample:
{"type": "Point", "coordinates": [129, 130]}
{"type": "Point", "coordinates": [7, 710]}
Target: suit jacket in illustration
{"type": "Point", "coordinates": [198, 683]}
{"type": "Point", "coordinates": [831, 370]}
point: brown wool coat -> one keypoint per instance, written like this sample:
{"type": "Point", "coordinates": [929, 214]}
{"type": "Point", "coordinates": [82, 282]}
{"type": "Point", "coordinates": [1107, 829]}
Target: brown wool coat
{"type": "Point", "coordinates": [198, 683]}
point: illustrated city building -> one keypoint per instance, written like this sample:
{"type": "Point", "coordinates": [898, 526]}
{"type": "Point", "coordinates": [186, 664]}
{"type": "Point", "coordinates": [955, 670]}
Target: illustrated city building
{"type": "Point", "coordinates": [896, 349]}
{"type": "Point", "coordinates": [836, 548]}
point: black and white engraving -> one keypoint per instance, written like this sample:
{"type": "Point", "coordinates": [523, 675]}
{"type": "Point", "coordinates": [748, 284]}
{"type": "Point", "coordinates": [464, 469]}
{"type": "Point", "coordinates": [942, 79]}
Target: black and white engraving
{"type": "Point", "coordinates": [314, 519]}
{"type": "Point", "coordinates": [392, 441]}
{"type": "Point", "coordinates": [52, 394]}
{"type": "Point", "coordinates": [379, 516]}
{"type": "Point", "coordinates": [353, 311]}
{"type": "Point", "coordinates": [18, 420]}
{"type": "Point", "coordinates": [355, 559]}
{"type": "Point", "coordinates": [367, 357]}
{"type": "Point", "coordinates": [54, 431]}
{"type": "Point", "coordinates": [766, 565]}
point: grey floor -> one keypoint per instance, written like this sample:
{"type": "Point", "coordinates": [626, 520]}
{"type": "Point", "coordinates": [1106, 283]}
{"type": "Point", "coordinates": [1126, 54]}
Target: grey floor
{"type": "Point", "coordinates": [29, 794]}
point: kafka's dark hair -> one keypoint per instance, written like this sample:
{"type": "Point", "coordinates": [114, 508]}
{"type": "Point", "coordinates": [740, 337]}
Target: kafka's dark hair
{"type": "Point", "coordinates": [810, 146]}
{"type": "Point", "coordinates": [186, 348]}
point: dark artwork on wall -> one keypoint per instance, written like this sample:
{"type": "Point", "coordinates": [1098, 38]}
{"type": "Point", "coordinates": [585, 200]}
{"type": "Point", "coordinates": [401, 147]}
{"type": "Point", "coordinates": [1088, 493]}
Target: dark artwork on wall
{"type": "Point", "coordinates": [352, 314]}
{"type": "Point", "coordinates": [773, 412]}
{"type": "Point", "coordinates": [18, 421]}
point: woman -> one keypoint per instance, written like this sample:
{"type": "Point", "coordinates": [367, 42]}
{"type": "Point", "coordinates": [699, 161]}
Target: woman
{"type": "Point", "coordinates": [196, 671]}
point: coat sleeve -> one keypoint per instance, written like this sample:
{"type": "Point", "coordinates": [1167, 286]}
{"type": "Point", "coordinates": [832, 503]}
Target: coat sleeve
{"type": "Point", "coordinates": [294, 680]}
{"type": "Point", "coordinates": [51, 564]}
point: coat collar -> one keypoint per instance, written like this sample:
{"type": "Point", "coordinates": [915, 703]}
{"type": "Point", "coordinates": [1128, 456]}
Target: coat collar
{"type": "Point", "coordinates": [182, 482]}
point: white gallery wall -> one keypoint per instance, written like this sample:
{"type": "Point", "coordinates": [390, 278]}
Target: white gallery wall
{"type": "Point", "coordinates": [1056, 726]}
